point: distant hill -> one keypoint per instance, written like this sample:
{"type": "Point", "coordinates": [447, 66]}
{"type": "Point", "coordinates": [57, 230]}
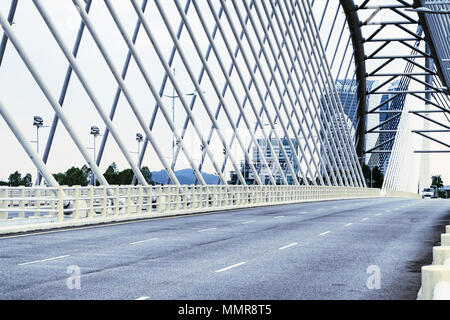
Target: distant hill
{"type": "Point", "coordinates": [185, 176]}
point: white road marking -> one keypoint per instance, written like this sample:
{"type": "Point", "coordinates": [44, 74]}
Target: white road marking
{"type": "Point", "coordinates": [348, 224]}
{"type": "Point", "coordinates": [278, 217]}
{"type": "Point", "coordinates": [364, 219]}
{"type": "Point", "coordinates": [44, 260]}
{"type": "Point", "coordinates": [288, 246]}
{"type": "Point", "coordinates": [378, 214]}
{"type": "Point", "coordinates": [324, 233]}
{"type": "Point", "coordinates": [231, 267]}
{"type": "Point", "coordinates": [246, 222]}
{"type": "Point", "coordinates": [143, 298]}
{"type": "Point", "coordinates": [113, 224]}
{"type": "Point", "coordinates": [210, 229]}
{"type": "Point", "coordinates": [142, 241]}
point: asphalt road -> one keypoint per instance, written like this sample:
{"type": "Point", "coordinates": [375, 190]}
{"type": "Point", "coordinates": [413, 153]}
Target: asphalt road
{"type": "Point", "coordinates": [318, 250]}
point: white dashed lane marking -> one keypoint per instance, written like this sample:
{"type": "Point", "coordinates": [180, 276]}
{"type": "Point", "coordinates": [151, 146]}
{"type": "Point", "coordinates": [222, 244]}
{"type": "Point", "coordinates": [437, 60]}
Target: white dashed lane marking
{"type": "Point", "coordinates": [142, 241]}
{"type": "Point", "coordinates": [44, 260]}
{"type": "Point", "coordinates": [288, 246]}
{"type": "Point", "coordinates": [209, 229]}
{"type": "Point", "coordinates": [231, 267]}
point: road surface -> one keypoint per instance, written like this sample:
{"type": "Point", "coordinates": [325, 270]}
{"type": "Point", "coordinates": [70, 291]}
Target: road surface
{"type": "Point", "coordinates": [351, 249]}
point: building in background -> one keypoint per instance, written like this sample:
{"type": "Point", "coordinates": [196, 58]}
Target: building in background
{"type": "Point", "coordinates": [347, 91]}
{"type": "Point", "coordinates": [263, 171]}
{"type": "Point", "coordinates": [388, 103]}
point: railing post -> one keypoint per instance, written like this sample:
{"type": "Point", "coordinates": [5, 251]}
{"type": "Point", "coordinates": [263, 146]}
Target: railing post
{"type": "Point", "coordinates": [185, 197]}
{"type": "Point", "coordinates": [159, 199]}
{"type": "Point", "coordinates": [76, 209]}
{"type": "Point", "coordinates": [139, 200]}
{"type": "Point", "coordinates": [91, 202]}
{"type": "Point", "coordinates": [193, 198]}
{"type": "Point", "coordinates": [37, 196]}
{"type": "Point", "coordinates": [117, 200]}
{"type": "Point", "coordinates": [22, 202]}
{"type": "Point", "coordinates": [104, 201]}
{"type": "Point", "coordinates": [128, 200]}
{"type": "Point", "coordinates": [5, 201]}
{"type": "Point", "coordinates": [177, 198]}
{"type": "Point", "coordinates": [60, 204]}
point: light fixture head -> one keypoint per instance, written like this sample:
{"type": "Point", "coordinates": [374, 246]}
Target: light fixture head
{"type": "Point", "coordinates": [95, 131]}
{"type": "Point", "coordinates": [38, 121]}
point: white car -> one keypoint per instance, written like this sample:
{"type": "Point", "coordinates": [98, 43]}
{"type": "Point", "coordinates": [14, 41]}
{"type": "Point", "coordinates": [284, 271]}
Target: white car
{"type": "Point", "coordinates": [429, 192]}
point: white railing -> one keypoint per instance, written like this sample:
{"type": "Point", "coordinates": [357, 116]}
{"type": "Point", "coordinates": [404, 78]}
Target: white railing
{"type": "Point", "coordinates": [102, 203]}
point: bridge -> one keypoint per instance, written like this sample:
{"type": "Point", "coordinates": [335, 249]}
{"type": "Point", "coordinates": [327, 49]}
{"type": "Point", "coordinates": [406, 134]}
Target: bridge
{"type": "Point", "coordinates": [277, 142]}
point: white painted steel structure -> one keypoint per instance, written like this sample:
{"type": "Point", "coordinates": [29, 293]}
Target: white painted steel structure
{"type": "Point", "coordinates": [264, 61]}
{"type": "Point", "coordinates": [259, 70]}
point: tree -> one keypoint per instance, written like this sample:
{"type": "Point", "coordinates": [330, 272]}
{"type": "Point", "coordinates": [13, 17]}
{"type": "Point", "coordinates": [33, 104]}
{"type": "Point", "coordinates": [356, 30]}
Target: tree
{"type": "Point", "coordinates": [26, 181]}
{"type": "Point", "coordinates": [436, 180]}
{"type": "Point", "coordinates": [112, 174]}
{"type": "Point", "coordinates": [86, 172]}
{"type": "Point", "coordinates": [376, 176]}
{"type": "Point", "coordinates": [126, 177]}
{"type": "Point", "coordinates": [59, 177]}
{"type": "Point", "coordinates": [15, 179]}
{"type": "Point", "coordinates": [147, 175]}
{"type": "Point", "coordinates": [75, 177]}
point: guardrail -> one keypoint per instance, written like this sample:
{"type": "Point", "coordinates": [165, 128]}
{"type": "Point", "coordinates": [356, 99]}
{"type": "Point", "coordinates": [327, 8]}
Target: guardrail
{"type": "Point", "coordinates": [436, 277]}
{"type": "Point", "coordinates": [106, 203]}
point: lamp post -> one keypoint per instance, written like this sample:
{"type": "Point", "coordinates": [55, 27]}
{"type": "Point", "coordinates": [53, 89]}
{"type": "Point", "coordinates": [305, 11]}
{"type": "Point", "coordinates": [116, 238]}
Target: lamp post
{"type": "Point", "coordinates": [38, 122]}
{"type": "Point", "coordinates": [139, 139]}
{"type": "Point", "coordinates": [95, 131]}
{"type": "Point", "coordinates": [173, 97]}
{"type": "Point", "coordinates": [371, 178]}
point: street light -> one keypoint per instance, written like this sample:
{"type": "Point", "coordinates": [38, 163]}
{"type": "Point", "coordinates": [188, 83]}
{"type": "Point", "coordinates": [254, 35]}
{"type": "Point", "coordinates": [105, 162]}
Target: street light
{"type": "Point", "coordinates": [173, 97]}
{"type": "Point", "coordinates": [38, 122]}
{"type": "Point", "coordinates": [139, 139]}
{"type": "Point", "coordinates": [95, 131]}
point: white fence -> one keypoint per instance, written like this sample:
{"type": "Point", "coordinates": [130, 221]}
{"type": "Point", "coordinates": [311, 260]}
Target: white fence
{"type": "Point", "coordinates": [102, 203]}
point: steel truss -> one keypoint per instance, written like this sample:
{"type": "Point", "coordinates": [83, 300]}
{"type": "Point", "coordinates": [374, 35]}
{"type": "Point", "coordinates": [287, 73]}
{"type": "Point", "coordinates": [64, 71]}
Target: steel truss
{"type": "Point", "coordinates": [263, 61]}
{"type": "Point", "coordinates": [422, 47]}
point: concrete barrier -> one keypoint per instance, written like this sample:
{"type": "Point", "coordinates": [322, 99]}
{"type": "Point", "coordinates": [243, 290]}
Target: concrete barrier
{"type": "Point", "coordinates": [436, 277]}
{"type": "Point", "coordinates": [435, 283]}
{"type": "Point", "coordinates": [445, 239]}
{"type": "Point", "coordinates": [441, 255]}
{"type": "Point", "coordinates": [447, 229]}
